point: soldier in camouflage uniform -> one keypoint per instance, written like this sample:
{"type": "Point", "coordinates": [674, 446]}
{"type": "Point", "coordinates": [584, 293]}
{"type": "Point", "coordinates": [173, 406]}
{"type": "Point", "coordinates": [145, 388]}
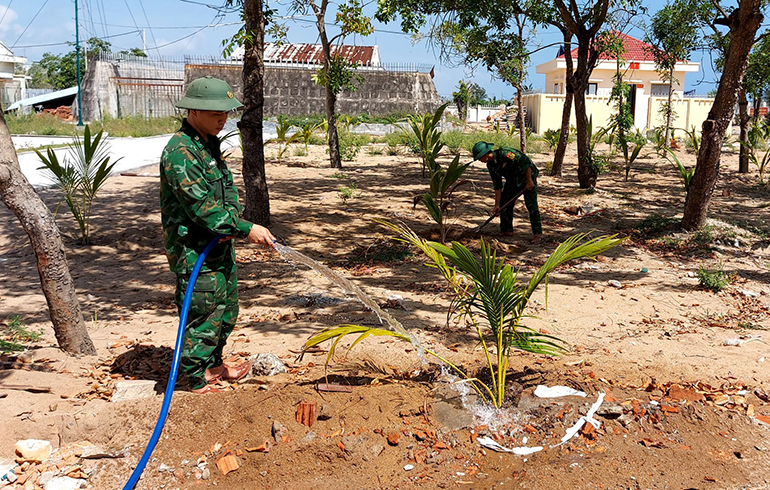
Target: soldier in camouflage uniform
{"type": "Point", "coordinates": [519, 174]}
{"type": "Point", "coordinates": [199, 201]}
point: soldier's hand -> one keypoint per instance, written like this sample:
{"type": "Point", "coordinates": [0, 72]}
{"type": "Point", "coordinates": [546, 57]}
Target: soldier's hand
{"type": "Point", "coordinates": [260, 234]}
{"type": "Point", "coordinates": [496, 210]}
{"type": "Point", "coordinates": [530, 185]}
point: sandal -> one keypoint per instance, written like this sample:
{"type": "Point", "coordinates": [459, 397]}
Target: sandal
{"type": "Point", "coordinates": [206, 389]}
{"type": "Point", "coordinates": [241, 370]}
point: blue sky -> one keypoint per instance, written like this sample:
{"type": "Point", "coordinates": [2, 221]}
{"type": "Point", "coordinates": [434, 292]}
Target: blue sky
{"type": "Point", "coordinates": [178, 27]}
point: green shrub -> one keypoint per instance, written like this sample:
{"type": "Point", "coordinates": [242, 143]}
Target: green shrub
{"type": "Point", "coordinates": [714, 280]}
{"type": "Point", "coordinates": [15, 333]}
{"type": "Point", "coordinates": [347, 192]}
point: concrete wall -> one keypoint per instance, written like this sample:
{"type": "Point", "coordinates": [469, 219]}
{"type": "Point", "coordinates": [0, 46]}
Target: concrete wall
{"type": "Point", "coordinates": [544, 111]}
{"type": "Point", "coordinates": [130, 87]}
{"type": "Point", "coordinates": [292, 91]}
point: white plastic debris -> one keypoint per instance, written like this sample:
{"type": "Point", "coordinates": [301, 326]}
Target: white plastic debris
{"type": "Point", "coordinates": [408, 467]}
{"type": "Point", "coordinates": [556, 391]}
{"type": "Point", "coordinates": [736, 342]}
{"type": "Point", "coordinates": [748, 293]}
{"type": "Point", "coordinates": [520, 451]}
{"type": "Point", "coordinates": [614, 283]}
{"type": "Point", "coordinates": [589, 417]}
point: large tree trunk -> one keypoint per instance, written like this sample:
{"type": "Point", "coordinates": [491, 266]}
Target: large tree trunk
{"type": "Point", "coordinates": [331, 97]}
{"type": "Point", "coordinates": [38, 222]}
{"type": "Point", "coordinates": [586, 171]}
{"type": "Point", "coordinates": [744, 22]}
{"type": "Point", "coordinates": [257, 203]}
{"type": "Point", "coordinates": [561, 147]}
{"type": "Point", "coordinates": [745, 118]}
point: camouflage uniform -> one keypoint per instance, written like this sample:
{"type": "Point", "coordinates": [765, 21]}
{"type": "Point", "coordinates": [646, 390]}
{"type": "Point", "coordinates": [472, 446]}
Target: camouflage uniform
{"type": "Point", "coordinates": [199, 201]}
{"type": "Point", "coordinates": [511, 165]}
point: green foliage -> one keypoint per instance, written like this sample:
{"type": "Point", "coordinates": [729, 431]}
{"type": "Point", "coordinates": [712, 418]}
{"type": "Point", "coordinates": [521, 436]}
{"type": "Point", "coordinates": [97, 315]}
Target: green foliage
{"type": "Point", "coordinates": [347, 192]}
{"type": "Point", "coordinates": [307, 131]}
{"type": "Point", "coordinates": [282, 139]}
{"type": "Point", "coordinates": [490, 297]}
{"type": "Point", "coordinates": [714, 280]}
{"type": "Point", "coordinates": [597, 161]}
{"type": "Point", "coordinates": [375, 150]}
{"type": "Point", "coordinates": [693, 139]}
{"type": "Point", "coordinates": [350, 143]}
{"type": "Point", "coordinates": [80, 177]}
{"type": "Point", "coordinates": [338, 75]}
{"type": "Point", "coordinates": [50, 125]}
{"type": "Point", "coordinates": [552, 136]}
{"type": "Point", "coordinates": [453, 140]}
{"type": "Point", "coordinates": [442, 184]}
{"type": "Point", "coordinates": [426, 129]}
{"type": "Point", "coordinates": [758, 140]}
{"type": "Point", "coordinates": [15, 333]}
{"type": "Point", "coordinates": [461, 99]}
{"type": "Point", "coordinates": [685, 173]}
{"type": "Point", "coordinates": [56, 71]}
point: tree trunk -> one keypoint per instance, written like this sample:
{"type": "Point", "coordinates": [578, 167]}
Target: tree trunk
{"type": "Point", "coordinates": [521, 121]}
{"type": "Point", "coordinates": [257, 201]}
{"type": "Point", "coordinates": [744, 22]}
{"type": "Point", "coordinates": [561, 147]}
{"type": "Point", "coordinates": [331, 97]}
{"type": "Point", "coordinates": [586, 171]}
{"type": "Point", "coordinates": [667, 141]}
{"type": "Point", "coordinates": [38, 222]}
{"type": "Point", "coordinates": [334, 142]}
{"type": "Point", "coordinates": [745, 118]}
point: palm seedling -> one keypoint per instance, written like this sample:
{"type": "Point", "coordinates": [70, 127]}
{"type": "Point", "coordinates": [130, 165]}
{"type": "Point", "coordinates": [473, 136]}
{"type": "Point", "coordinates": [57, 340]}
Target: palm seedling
{"type": "Point", "coordinates": [282, 136]}
{"type": "Point", "coordinates": [686, 173]}
{"type": "Point", "coordinates": [490, 297]}
{"type": "Point", "coordinates": [81, 176]}
{"type": "Point", "coordinates": [426, 130]}
{"type": "Point", "coordinates": [443, 182]}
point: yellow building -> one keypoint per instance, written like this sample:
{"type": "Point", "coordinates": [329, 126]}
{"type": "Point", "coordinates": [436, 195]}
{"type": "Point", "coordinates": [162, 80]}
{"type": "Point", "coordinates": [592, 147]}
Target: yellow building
{"type": "Point", "coordinates": [648, 91]}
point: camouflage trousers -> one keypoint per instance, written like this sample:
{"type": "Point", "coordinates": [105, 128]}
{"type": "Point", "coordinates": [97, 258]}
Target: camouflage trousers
{"type": "Point", "coordinates": [210, 320]}
{"type": "Point", "coordinates": [530, 201]}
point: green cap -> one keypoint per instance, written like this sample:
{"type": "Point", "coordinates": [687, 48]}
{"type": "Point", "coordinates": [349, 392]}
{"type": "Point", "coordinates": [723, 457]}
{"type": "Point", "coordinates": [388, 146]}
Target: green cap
{"type": "Point", "coordinates": [481, 148]}
{"type": "Point", "coordinates": [209, 94]}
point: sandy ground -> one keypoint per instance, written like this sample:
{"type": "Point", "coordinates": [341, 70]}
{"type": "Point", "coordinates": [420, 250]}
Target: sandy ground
{"type": "Point", "coordinates": [685, 407]}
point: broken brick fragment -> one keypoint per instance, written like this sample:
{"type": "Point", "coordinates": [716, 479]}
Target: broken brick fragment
{"type": "Point", "coordinates": [393, 438]}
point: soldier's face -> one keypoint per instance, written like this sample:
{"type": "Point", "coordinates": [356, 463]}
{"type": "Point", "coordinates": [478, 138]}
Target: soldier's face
{"type": "Point", "coordinates": [486, 157]}
{"type": "Point", "coordinates": [208, 123]}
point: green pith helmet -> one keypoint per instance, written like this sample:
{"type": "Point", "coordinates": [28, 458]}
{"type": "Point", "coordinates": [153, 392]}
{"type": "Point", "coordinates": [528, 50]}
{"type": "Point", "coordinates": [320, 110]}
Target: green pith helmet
{"type": "Point", "coordinates": [481, 148]}
{"type": "Point", "coordinates": [209, 94]}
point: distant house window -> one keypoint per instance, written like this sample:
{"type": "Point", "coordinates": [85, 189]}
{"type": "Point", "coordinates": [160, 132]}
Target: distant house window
{"type": "Point", "coordinates": [659, 90]}
{"type": "Point", "coordinates": [556, 88]}
{"type": "Point", "coordinates": [592, 87]}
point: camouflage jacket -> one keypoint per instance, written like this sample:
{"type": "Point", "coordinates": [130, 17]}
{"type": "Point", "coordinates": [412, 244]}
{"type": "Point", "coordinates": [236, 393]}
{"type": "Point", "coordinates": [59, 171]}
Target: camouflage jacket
{"type": "Point", "coordinates": [198, 200]}
{"type": "Point", "coordinates": [511, 165]}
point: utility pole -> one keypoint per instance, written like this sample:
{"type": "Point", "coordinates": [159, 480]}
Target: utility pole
{"type": "Point", "coordinates": [144, 43]}
{"type": "Point", "coordinates": [77, 63]}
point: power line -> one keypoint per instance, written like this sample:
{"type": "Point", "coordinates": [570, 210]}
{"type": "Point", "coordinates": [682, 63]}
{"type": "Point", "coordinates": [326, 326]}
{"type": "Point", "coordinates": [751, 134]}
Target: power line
{"type": "Point", "coordinates": [6, 11]}
{"type": "Point", "coordinates": [141, 4]}
{"type": "Point", "coordinates": [224, 24]}
{"type": "Point", "coordinates": [70, 43]}
{"type": "Point", "coordinates": [30, 23]}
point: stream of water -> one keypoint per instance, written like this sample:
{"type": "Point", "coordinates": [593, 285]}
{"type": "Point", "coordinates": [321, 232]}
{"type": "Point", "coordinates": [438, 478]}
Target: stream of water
{"type": "Point", "coordinates": [293, 257]}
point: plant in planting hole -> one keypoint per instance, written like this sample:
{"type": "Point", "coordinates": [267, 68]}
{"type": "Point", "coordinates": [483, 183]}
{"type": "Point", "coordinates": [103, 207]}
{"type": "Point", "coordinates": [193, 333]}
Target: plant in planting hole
{"type": "Point", "coordinates": [489, 295]}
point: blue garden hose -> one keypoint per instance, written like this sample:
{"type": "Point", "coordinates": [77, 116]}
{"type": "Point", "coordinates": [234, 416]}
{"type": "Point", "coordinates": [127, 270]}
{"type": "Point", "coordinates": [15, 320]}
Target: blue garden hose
{"type": "Point", "coordinates": [174, 368]}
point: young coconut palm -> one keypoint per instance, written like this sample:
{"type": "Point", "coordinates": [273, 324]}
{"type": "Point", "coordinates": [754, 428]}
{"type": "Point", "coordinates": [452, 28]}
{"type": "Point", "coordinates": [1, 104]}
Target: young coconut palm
{"type": "Point", "coordinates": [491, 298]}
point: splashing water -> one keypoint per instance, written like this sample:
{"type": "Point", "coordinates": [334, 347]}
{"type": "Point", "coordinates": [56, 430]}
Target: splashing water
{"type": "Point", "coordinates": [292, 256]}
